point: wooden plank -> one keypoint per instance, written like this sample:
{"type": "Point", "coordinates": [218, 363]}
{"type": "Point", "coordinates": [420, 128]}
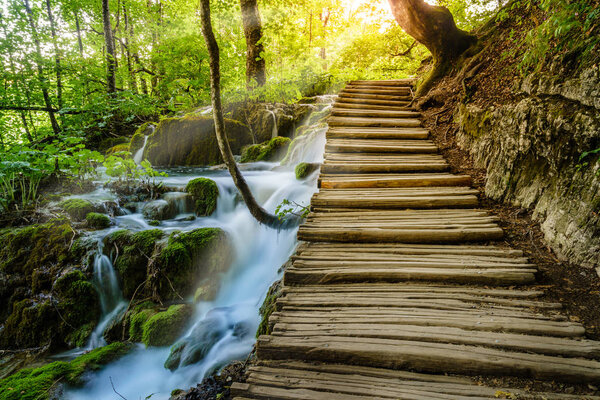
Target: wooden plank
{"type": "Point", "coordinates": [341, 104]}
{"type": "Point", "coordinates": [380, 146]}
{"type": "Point", "coordinates": [408, 82]}
{"type": "Point", "coordinates": [374, 113]}
{"type": "Point", "coordinates": [353, 100]}
{"type": "Point", "coordinates": [378, 133]}
{"type": "Point", "coordinates": [435, 334]}
{"type": "Point", "coordinates": [429, 357]}
{"type": "Point", "coordinates": [482, 250]}
{"type": "Point", "coordinates": [363, 96]}
{"type": "Point", "coordinates": [392, 181]}
{"type": "Point", "coordinates": [330, 167]}
{"type": "Point", "coordinates": [375, 122]}
{"type": "Point", "coordinates": [465, 201]}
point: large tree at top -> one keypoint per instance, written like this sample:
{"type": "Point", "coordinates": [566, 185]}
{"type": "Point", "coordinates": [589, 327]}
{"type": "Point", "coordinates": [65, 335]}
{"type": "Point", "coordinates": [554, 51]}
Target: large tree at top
{"type": "Point", "coordinates": [434, 27]}
{"type": "Point", "coordinates": [255, 63]}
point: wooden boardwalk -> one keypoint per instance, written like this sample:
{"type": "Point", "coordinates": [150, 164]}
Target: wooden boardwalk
{"type": "Point", "coordinates": [396, 283]}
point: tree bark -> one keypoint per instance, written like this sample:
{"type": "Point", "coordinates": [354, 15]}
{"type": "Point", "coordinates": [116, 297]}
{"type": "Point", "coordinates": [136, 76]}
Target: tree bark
{"type": "Point", "coordinates": [109, 43]}
{"type": "Point", "coordinates": [128, 34]}
{"type": "Point", "coordinates": [434, 27]}
{"type": "Point", "coordinates": [255, 209]}
{"type": "Point", "coordinates": [40, 69]}
{"type": "Point", "coordinates": [59, 88]}
{"type": "Point", "coordinates": [255, 64]}
{"type": "Point", "coordinates": [324, 19]}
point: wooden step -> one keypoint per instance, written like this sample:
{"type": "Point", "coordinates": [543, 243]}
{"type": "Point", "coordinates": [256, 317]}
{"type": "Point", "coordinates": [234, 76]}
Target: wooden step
{"type": "Point", "coordinates": [380, 146]}
{"type": "Point", "coordinates": [427, 357]}
{"type": "Point", "coordinates": [375, 122]}
{"type": "Point", "coordinates": [395, 249]}
{"type": "Point", "coordinates": [377, 90]}
{"type": "Point", "coordinates": [341, 163]}
{"type": "Point", "coordinates": [372, 102]}
{"type": "Point", "coordinates": [301, 380]}
{"type": "Point", "coordinates": [392, 82]}
{"type": "Point", "coordinates": [377, 133]}
{"type": "Point", "coordinates": [363, 96]}
{"type": "Point", "coordinates": [391, 180]}
{"type": "Point", "coordinates": [435, 197]}
{"type": "Point", "coordinates": [341, 112]}
{"type": "Point", "coordinates": [357, 106]}
{"type": "Point", "coordinates": [406, 89]}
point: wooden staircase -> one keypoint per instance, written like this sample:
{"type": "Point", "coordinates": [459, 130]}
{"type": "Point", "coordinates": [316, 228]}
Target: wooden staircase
{"type": "Point", "coordinates": [396, 282]}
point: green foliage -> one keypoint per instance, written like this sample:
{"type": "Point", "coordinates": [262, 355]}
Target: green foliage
{"type": "Point", "coordinates": [584, 159]}
{"type": "Point", "coordinates": [163, 328]}
{"type": "Point", "coordinates": [38, 383]}
{"type": "Point", "coordinates": [287, 207]}
{"type": "Point", "coordinates": [205, 193]}
{"type": "Point", "coordinates": [569, 29]}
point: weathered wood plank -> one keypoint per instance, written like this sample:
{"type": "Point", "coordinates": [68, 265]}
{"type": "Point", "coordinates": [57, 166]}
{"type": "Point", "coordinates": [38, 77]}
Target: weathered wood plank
{"type": "Point", "coordinates": [374, 122]}
{"type": "Point", "coordinates": [392, 181]}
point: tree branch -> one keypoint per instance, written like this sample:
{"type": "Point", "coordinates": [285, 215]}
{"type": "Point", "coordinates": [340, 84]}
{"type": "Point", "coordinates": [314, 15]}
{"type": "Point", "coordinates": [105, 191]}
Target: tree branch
{"type": "Point", "coordinates": [404, 53]}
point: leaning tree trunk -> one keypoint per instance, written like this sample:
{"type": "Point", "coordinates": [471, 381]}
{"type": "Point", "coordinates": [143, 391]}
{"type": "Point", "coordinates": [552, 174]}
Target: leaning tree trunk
{"type": "Point", "coordinates": [255, 63]}
{"type": "Point", "coordinates": [111, 61]}
{"type": "Point", "coordinates": [434, 27]}
{"type": "Point", "coordinates": [255, 209]}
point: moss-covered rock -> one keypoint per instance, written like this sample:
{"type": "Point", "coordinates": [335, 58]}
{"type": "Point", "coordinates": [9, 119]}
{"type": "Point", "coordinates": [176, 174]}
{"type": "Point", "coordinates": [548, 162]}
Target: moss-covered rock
{"type": "Point", "coordinates": [134, 252]}
{"type": "Point", "coordinates": [118, 149]}
{"type": "Point", "coordinates": [77, 208]}
{"type": "Point", "coordinates": [267, 308]}
{"type": "Point", "coordinates": [38, 383]}
{"type": "Point", "coordinates": [303, 169]}
{"type": "Point", "coordinates": [191, 140]}
{"type": "Point", "coordinates": [193, 258]}
{"type": "Point", "coordinates": [204, 192]}
{"type": "Point", "coordinates": [96, 220]}
{"type": "Point", "coordinates": [272, 150]}
{"type": "Point", "coordinates": [163, 328]}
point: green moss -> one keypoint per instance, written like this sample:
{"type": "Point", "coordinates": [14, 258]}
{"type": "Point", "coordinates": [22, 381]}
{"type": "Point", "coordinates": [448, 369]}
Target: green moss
{"type": "Point", "coordinates": [136, 323]}
{"type": "Point", "coordinates": [267, 308]}
{"type": "Point", "coordinates": [119, 148]}
{"type": "Point", "coordinates": [97, 221]}
{"type": "Point", "coordinates": [267, 151]}
{"type": "Point", "coordinates": [154, 222]}
{"type": "Point", "coordinates": [205, 193]}
{"type": "Point", "coordinates": [191, 257]}
{"type": "Point", "coordinates": [77, 208]}
{"type": "Point", "coordinates": [134, 252]}
{"type": "Point", "coordinates": [37, 383]}
{"type": "Point", "coordinates": [303, 169]}
{"type": "Point", "coordinates": [163, 328]}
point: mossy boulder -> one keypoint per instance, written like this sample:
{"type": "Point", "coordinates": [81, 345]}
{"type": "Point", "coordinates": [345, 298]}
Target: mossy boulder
{"type": "Point", "coordinates": [191, 140]}
{"type": "Point", "coordinates": [66, 323]}
{"type": "Point", "coordinates": [163, 328]}
{"type": "Point", "coordinates": [77, 208]}
{"type": "Point", "coordinates": [192, 259]}
{"type": "Point", "coordinates": [204, 193]}
{"type": "Point", "coordinates": [272, 150]}
{"type": "Point", "coordinates": [39, 383]}
{"type": "Point", "coordinates": [134, 252]}
{"type": "Point", "coordinates": [303, 169]}
{"type": "Point", "coordinates": [96, 220]}
{"type": "Point", "coordinates": [267, 308]}
{"type": "Point", "coordinates": [118, 149]}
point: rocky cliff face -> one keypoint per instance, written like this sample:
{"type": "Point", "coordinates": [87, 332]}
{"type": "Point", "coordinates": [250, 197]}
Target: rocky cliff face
{"type": "Point", "coordinates": [534, 151]}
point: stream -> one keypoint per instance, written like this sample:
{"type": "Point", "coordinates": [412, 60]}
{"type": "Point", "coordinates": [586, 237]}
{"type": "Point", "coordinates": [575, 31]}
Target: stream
{"type": "Point", "coordinates": [259, 254]}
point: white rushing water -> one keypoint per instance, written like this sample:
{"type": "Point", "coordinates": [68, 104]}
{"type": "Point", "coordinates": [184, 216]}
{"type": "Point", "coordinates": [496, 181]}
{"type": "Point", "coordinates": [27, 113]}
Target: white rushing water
{"type": "Point", "coordinates": [274, 131]}
{"type": "Point", "coordinates": [137, 157]}
{"type": "Point", "coordinates": [259, 253]}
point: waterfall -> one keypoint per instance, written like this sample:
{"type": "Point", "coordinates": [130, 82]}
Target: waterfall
{"type": "Point", "coordinates": [274, 131]}
{"type": "Point", "coordinates": [137, 157]}
{"type": "Point", "coordinates": [221, 329]}
{"type": "Point", "coordinates": [111, 298]}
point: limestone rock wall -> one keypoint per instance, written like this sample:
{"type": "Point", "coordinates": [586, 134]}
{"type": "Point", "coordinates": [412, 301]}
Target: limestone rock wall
{"type": "Point", "coordinates": [531, 150]}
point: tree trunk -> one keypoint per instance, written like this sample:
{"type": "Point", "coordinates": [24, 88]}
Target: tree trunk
{"type": "Point", "coordinates": [40, 69]}
{"type": "Point", "coordinates": [434, 27]}
{"type": "Point", "coordinates": [255, 209]}
{"type": "Point", "coordinates": [324, 19]}
{"type": "Point", "coordinates": [58, 67]}
{"type": "Point", "coordinates": [255, 63]}
{"type": "Point", "coordinates": [111, 65]}
{"type": "Point", "coordinates": [128, 34]}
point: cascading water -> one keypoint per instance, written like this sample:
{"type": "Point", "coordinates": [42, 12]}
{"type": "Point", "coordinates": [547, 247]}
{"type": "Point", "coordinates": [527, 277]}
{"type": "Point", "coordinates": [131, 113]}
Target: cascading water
{"type": "Point", "coordinates": [137, 157]}
{"type": "Point", "coordinates": [111, 298]}
{"type": "Point", "coordinates": [223, 329]}
{"type": "Point", "coordinates": [274, 131]}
